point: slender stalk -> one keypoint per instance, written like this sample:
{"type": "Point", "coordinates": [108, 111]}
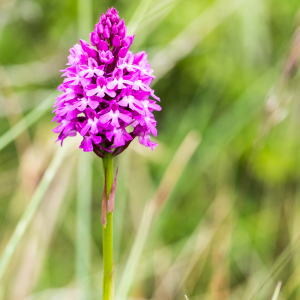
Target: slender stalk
{"type": "Point", "coordinates": [108, 264]}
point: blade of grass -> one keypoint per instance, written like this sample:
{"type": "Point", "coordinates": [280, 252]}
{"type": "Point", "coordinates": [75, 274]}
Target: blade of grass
{"type": "Point", "coordinates": [40, 233]}
{"type": "Point", "coordinates": [152, 21]}
{"type": "Point", "coordinates": [198, 241]}
{"type": "Point", "coordinates": [10, 100]}
{"type": "Point", "coordinates": [282, 260]}
{"type": "Point", "coordinates": [27, 121]}
{"type": "Point", "coordinates": [138, 16]}
{"type": "Point", "coordinates": [158, 8]}
{"type": "Point", "coordinates": [84, 185]}
{"type": "Point", "coordinates": [188, 38]}
{"type": "Point", "coordinates": [6, 14]}
{"type": "Point", "coordinates": [255, 32]}
{"type": "Point", "coordinates": [253, 268]}
{"type": "Point", "coordinates": [231, 123]}
{"type": "Point", "coordinates": [277, 290]}
{"type": "Point", "coordinates": [167, 184]}
{"type": "Point", "coordinates": [85, 18]}
{"type": "Point", "coordinates": [84, 197]}
{"type": "Point", "coordinates": [31, 209]}
{"type": "Point", "coordinates": [157, 14]}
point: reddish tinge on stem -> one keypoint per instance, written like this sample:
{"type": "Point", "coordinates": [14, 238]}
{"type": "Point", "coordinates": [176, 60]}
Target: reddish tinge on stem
{"type": "Point", "coordinates": [108, 204]}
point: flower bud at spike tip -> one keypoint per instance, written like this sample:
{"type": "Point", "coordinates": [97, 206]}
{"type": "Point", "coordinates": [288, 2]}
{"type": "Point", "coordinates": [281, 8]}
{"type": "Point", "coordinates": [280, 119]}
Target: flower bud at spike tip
{"type": "Point", "coordinates": [116, 41]}
{"type": "Point", "coordinates": [101, 28]}
{"type": "Point", "coordinates": [114, 29]}
{"type": "Point", "coordinates": [102, 46]}
{"type": "Point", "coordinates": [94, 39]}
{"type": "Point", "coordinates": [102, 18]}
{"type": "Point", "coordinates": [96, 30]}
{"type": "Point", "coordinates": [108, 23]}
{"type": "Point", "coordinates": [122, 32]}
{"type": "Point", "coordinates": [121, 24]}
{"type": "Point", "coordinates": [106, 95]}
{"type": "Point", "coordinates": [128, 41]}
{"type": "Point", "coordinates": [106, 33]}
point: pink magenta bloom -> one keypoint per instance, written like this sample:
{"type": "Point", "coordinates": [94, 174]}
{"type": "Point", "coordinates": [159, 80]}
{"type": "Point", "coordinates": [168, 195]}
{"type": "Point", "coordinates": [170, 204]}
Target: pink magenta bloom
{"type": "Point", "coordinates": [106, 91]}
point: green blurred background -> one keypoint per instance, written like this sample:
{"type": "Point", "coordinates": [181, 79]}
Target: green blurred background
{"type": "Point", "coordinates": [213, 212]}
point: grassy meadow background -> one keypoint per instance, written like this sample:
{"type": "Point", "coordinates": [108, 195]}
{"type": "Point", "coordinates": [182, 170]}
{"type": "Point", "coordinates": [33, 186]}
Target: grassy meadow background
{"type": "Point", "coordinates": [213, 213]}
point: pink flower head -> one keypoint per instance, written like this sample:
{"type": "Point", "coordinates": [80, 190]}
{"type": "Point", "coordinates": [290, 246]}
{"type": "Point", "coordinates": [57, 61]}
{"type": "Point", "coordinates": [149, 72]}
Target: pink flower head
{"type": "Point", "coordinates": [106, 90]}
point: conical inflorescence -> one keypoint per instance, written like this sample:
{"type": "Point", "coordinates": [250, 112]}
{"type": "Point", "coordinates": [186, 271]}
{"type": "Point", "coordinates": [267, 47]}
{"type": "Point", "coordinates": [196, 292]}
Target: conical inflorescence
{"type": "Point", "coordinates": [106, 95]}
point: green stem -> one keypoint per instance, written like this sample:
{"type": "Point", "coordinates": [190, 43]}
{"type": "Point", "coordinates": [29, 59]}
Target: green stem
{"type": "Point", "coordinates": [108, 264]}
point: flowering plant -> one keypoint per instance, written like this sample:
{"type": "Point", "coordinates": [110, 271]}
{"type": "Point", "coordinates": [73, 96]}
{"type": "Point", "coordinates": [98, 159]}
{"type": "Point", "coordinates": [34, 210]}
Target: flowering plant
{"type": "Point", "coordinates": [107, 90]}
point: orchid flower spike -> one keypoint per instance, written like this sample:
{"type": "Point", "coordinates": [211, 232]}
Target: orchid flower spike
{"type": "Point", "coordinates": [106, 91]}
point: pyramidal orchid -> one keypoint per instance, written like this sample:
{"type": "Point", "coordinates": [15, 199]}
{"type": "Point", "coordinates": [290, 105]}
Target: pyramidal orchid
{"type": "Point", "coordinates": [107, 100]}
{"type": "Point", "coordinates": [106, 91]}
